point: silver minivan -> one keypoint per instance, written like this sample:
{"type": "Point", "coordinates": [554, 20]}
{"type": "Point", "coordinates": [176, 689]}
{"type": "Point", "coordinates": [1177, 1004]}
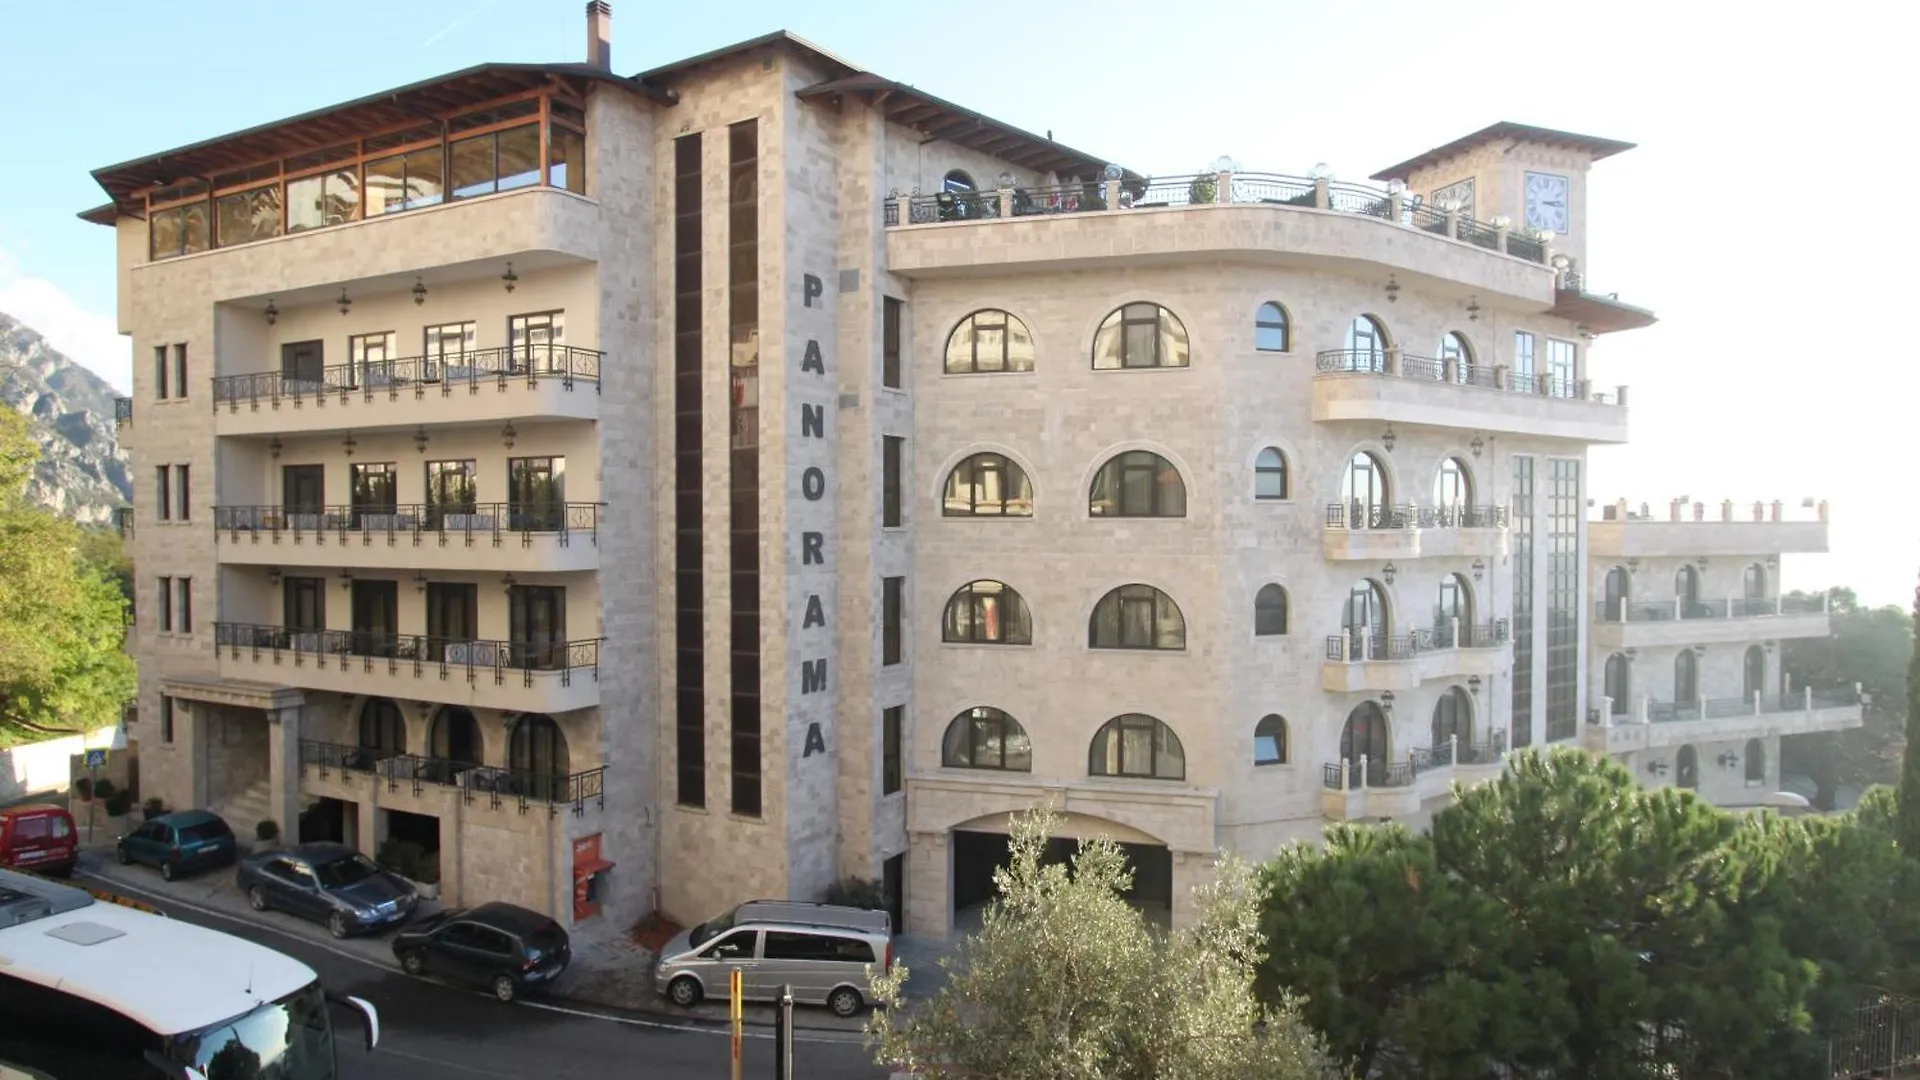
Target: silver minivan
{"type": "Point", "coordinates": [826, 953]}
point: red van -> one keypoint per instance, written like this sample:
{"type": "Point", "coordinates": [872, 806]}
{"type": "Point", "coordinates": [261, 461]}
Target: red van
{"type": "Point", "coordinates": [40, 838]}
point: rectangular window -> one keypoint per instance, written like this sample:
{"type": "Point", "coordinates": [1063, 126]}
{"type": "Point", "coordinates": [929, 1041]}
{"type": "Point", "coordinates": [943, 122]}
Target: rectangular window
{"type": "Point", "coordinates": [375, 490]}
{"type": "Point", "coordinates": [537, 626]}
{"type": "Point", "coordinates": [893, 602]}
{"type": "Point", "coordinates": [445, 348]}
{"type": "Point", "coordinates": [537, 493]}
{"type": "Point", "coordinates": [328, 198]}
{"type": "Point", "coordinates": [370, 358]}
{"type": "Point", "coordinates": [162, 493]}
{"type": "Point", "coordinates": [497, 161]}
{"type": "Point", "coordinates": [178, 230]}
{"type": "Point", "coordinates": [566, 159]}
{"type": "Point", "coordinates": [893, 447]}
{"type": "Point", "coordinates": [1560, 364]}
{"type": "Point", "coordinates": [160, 372]}
{"type": "Point", "coordinates": [183, 492]}
{"type": "Point", "coordinates": [1563, 595]}
{"type": "Point", "coordinates": [743, 481]}
{"type": "Point", "coordinates": [183, 606]}
{"type": "Point", "coordinates": [1522, 541]}
{"type": "Point", "coordinates": [689, 592]}
{"type": "Point", "coordinates": [246, 216]}
{"type": "Point", "coordinates": [890, 342]}
{"type": "Point", "coordinates": [452, 489]}
{"type": "Point", "coordinates": [180, 370]}
{"type": "Point", "coordinates": [1523, 361]}
{"type": "Point", "coordinates": [531, 339]}
{"type": "Point", "coordinates": [406, 181]}
{"type": "Point", "coordinates": [166, 718]}
{"type": "Point", "coordinates": [890, 764]}
{"type": "Point", "coordinates": [166, 605]}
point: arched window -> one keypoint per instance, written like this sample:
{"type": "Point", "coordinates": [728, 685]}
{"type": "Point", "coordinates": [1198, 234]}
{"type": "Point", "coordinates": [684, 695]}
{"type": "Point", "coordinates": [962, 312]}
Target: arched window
{"type": "Point", "coordinates": [1270, 740]}
{"type": "Point", "coordinates": [1615, 599]}
{"type": "Point", "coordinates": [957, 181]}
{"type": "Point", "coordinates": [1140, 336]}
{"type": "Point", "coordinates": [987, 613]}
{"type": "Point", "coordinates": [1271, 332]}
{"type": "Point", "coordinates": [1270, 474]}
{"type": "Point", "coordinates": [1686, 587]}
{"type": "Point", "coordinates": [1686, 767]}
{"type": "Point", "coordinates": [986, 738]}
{"type": "Point", "coordinates": [1756, 761]}
{"type": "Point", "coordinates": [1754, 673]}
{"type": "Point", "coordinates": [989, 340]}
{"type": "Point", "coordinates": [1137, 617]}
{"type": "Point", "coordinates": [1137, 745]}
{"type": "Point", "coordinates": [1365, 616]}
{"type": "Point", "coordinates": [1270, 611]}
{"type": "Point", "coordinates": [1363, 488]}
{"type": "Point", "coordinates": [1137, 483]}
{"type": "Point", "coordinates": [383, 730]}
{"type": "Point", "coordinates": [1619, 682]}
{"type": "Point", "coordinates": [1366, 345]}
{"type": "Point", "coordinates": [1453, 486]}
{"type": "Point", "coordinates": [1365, 735]}
{"type": "Point", "coordinates": [1454, 347]}
{"type": "Point", "coordinates": [987, 485]}
{"type": "Point", "coordinates": [1452, 718]}
{"type": "Point", "coordinates": [455, 736]}
{"type": "Point", "coordinates": [537, 756]}
{"type": "Point", "coordinates": [1454, 602]}
{"type": "Point", "coordinates": [1754, 583]}
{"type": "Point", "coordinates": [1686, 679]}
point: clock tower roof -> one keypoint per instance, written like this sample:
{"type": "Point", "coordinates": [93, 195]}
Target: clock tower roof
{"type": "Point", "coordinates": [1506, 131]}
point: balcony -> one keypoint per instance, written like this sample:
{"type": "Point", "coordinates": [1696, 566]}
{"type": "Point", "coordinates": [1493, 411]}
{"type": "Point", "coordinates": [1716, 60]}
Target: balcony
{"type": "Point", "coordinates": [1243, 216]}
{"type": "Point", "coordinates": [1356, 789]}
{"type": "Point", "coordinates": [123, 521]}
{"type": "Point", "coordinates": [1667, 623]}
{"type": "Point", "coordinates": [122, 411]}
{"type": "Point", "coordinates": [1389, 386]}
{"type": "Point", "coordinates": [499, 537]}
{"type": "Point", "coordinates": [1657, 724]}
{"type": "Point", "coordinates": [1360, 531]}
{"type": "Point", "coordinates": [1688, 532]}
{"type": "Point", "coordinates": [327, 767]}
{"type": "Point", "coordinates": [537, 677]}
{"type": "Point", "coordinates": [1374, 662]}
{"type": "Point", "coordinates": [476, 386]}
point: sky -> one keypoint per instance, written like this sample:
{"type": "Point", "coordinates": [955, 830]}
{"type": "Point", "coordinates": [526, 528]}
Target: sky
{"type": "Point", "coordinates": [1761, 216]}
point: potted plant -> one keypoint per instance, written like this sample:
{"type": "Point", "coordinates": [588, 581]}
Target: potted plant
{"type": "Point", "coordinates": [153, 808]}
{"type": "Point", "coordinates": [118, 804]}
{"type": "Point", "coordinates": [427, 875]}
{"type": "Point", "coordinates": [1204, 188]}
{"type": "Point", "coordinates": [267, 835]}
{"type": "Point", "coordinates": [413, 862]}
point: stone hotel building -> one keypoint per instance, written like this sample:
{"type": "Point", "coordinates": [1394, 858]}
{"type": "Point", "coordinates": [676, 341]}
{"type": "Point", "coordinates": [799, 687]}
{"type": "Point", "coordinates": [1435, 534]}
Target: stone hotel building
{"type": "Point", "coordinates": [647, 493]}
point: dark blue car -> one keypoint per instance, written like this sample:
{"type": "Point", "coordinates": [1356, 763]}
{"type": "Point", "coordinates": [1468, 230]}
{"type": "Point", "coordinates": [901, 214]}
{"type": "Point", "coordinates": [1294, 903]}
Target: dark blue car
{"type": "Point", "coordinates": [179, 843]}
{"type": "Point", "coordinates": [330, 884]}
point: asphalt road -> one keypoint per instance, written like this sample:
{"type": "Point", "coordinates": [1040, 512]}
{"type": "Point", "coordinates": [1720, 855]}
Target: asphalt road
{"type": "Point", "coordinates": [433, 1031]}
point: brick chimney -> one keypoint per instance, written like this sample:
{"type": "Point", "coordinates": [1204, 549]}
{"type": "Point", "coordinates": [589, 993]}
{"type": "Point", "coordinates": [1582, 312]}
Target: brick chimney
{"type": "Point", "coordinates": [600, 34]}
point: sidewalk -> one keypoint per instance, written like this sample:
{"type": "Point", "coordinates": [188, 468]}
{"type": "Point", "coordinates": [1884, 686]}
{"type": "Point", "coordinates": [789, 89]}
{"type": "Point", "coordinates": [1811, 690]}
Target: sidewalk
{"type": "Point", "coordinates": [613, 974]}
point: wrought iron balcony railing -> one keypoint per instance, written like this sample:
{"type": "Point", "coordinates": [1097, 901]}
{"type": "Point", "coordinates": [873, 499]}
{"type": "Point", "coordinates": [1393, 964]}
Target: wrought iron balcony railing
{"type": "Point", "coordinates": [496, 521]}
{"type": "Point", "coordinates": [419, 653]}
{"type": "Point", "coordinates": [1356, 647]}
{"type": "Point", "coordinates": [1804, 700]}
{"type": "Point", "coordinates": [1352, 774]}
{"type": "Point", "coordinates": [1392, 363]}
{"type": "Point", "coordinates": [1361, 515]}
{"type": "Point", "coordinates": [1681, 608]}
{"type": "Point", "coordinates": [527, 787]}
{"type": "Point", "coordinates": [564, 364]}
{"type": "Point", "coordinates": [122, 411]}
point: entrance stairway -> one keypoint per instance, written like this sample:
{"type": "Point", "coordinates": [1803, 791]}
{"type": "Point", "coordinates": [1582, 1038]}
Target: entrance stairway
{"type": "Point", "coordinates": [244, 810]}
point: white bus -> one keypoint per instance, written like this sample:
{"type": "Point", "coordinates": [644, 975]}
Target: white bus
{"type": "Point", "coordinates": [97, 990]}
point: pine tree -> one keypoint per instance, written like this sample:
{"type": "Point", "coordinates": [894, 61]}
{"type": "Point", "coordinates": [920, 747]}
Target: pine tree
{"type": "Point", "coordinates": [1910, 763]}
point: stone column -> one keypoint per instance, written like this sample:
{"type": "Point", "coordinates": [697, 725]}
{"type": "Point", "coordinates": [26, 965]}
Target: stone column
{"type": "Point", "coordinates": [929, 885]}
{"type": "Point", "coordinates": [283, 767]}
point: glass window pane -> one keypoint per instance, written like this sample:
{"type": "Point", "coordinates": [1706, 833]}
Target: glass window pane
{"type": "Point", "coordinates": [567, 160]}
{"type": "Point", "coordinates": [1019, 346]}
{"type": "Point", "coordinates": [473, 167]}
{"type": "Point", "coordinates": [1106, 343]}
{"type": "Point", "coordinates": [990, 346]}
{"type": "Point", "coordinates": [1139, 343]}
{"type": "Point", "coordinates": [165, 232]}
{"type": "Point", "coordinates": [1136, 489]}
{"type": "Point", "coordinates": [519, 157]}
{"type": "Point", "coordinates": [196, 231]}
{"type": "Point", "coordinates": [1136, 749]}
{"type": "Point", "coordinates": [1018, 750]}
{"type": "Point", "coordinates": [246, 216]}
{"type": "Point", "coordinates": [1170, 762]}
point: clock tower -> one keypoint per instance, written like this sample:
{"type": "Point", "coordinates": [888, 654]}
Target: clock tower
{"type": "Point", "coordinates": [1535, 177]}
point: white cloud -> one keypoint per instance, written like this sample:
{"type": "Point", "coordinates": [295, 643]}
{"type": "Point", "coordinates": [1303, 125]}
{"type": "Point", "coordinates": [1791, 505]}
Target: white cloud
{"type": "Point", "coordinates": [90, 337]}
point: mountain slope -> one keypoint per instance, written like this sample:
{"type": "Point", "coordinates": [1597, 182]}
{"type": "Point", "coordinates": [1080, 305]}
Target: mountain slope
{"type": "Point", "coordinates": [83, 473]}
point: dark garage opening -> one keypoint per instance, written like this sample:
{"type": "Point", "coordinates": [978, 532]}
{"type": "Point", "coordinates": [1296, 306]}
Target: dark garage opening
{"type": "Point", "coordinates": [976, 855]}
{"type": "Point", "coordinates": [412, 846]}
{"type": "Point", "coordinates": [325, 820]}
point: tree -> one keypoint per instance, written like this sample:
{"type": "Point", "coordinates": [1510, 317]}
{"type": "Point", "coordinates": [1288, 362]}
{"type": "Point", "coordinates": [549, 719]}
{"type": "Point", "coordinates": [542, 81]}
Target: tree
{"type": "Point", "coordinates": [62, 624]}
{"type": "Point", "coordinates": [1868, 646]}
{"type": "Point", "coordinates": [1909, 830]}
{"type": "Point", "coordinates": [1065, 981]}
{"type": "Point", "coordinates": [104, 550]}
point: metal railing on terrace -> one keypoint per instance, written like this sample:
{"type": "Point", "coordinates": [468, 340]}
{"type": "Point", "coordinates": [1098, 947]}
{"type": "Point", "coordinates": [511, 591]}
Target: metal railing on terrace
{"type": "Point", "coordinates": [1352, 774]}
{"type": "Point", "coordinates": [1805, 699]}
{"type": "Point", "coordinates": [565, 364]}
{"type": "Point", "coordinates": [1393, 363]}
{"type": "Point", "coordinates": [1362, 515]}
{"type": "Point", "coordinates": [1680, 510]}
{"type": "Point", "coordinates": [1355, 647]}
{"type": "Point", "coordinates": [421, 654]}
{"type": "Point", "coordinates": [496, 521]}
{"type": "Point", "coordinates": [1680, 609]}
{"type": "Point", "coordinates": [1211, 189]}
{"type": "Point", "coordinates": [524, 786]}
{"type": "Point", "coordinates": [122, 411]}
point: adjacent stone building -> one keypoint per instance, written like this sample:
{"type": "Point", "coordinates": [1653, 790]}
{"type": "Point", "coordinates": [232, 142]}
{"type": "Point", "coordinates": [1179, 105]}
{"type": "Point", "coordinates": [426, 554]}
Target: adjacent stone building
{"type": "Point", "coordinates": [650, 493]}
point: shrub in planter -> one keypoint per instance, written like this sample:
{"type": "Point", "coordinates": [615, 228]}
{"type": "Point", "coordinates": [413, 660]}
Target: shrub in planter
{"type": "Point", "coordinates": [267, 831]}
{"type": "Point", "coordinates": [401, 857]}
{"type": "Point", "coordinates": [153, 807]}
{"type": "Point", "coordinates": [118, 804]}
{"type": "Point", "coordinates": [1203, 189]}
{"type": "Point", "coordinates": [83, 787]}
{"type": "Point", "coordinates": [428, 868]}
{"type": "Point", "coordinates": [103, 788]}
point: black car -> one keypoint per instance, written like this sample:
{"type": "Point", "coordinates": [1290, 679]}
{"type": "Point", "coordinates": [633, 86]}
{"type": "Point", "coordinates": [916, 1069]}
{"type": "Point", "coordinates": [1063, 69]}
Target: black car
{"type": "Point", "coordinates": [328, 883]}
{"type": "Point", "coordinates": [500, 946]}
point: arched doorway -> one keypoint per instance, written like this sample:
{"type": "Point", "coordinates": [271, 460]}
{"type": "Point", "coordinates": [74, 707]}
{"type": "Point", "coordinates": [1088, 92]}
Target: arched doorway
{"type": "Point", "coordinates": [537, 756]}
{"type": "Point", "coordinates": [1614, 595]}
{"type": "Point", "coordinates": [1452, 722]}
{"type": "Point", "coordinates": [980, 847]}
{"type": "Point", "coordinates": [1453, 489]}
{"type": "Point", "coordinates": [1365, 736]}
{"type": "Point", "coordinates": [1686, 768]}
{"type": "Point", "coordinates": [1753, 678]}
{"type": "Point", "coordinates": [1754, 583]}
{"type": "Point", "coordinates": [383, 730]}
{"type": "Point", "coordinates": [1365, 620]}
{"type": "Point", "coordinates": [1686, 589]}
{"type": "Point", "coordinates": [1686, 680]}
{"type": "Point", "coordinates": [1363, 489]}
{"type": "Point", "coordinates": [1756, 761]}
{"type": "Point", "coordinates": [1619, 683]}
{"type": "Point", "coordinates": [1454, 607]}
{"type": "Point", "coordinates": [1367, 345]}
{"type": "Point", "coordinates": [454, 741]}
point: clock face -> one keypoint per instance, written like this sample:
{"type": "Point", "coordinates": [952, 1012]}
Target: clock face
{"type": "Point", "coordinates": [1460, 192]}
{"type": "Point", "coordinates": [1547, 202]}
